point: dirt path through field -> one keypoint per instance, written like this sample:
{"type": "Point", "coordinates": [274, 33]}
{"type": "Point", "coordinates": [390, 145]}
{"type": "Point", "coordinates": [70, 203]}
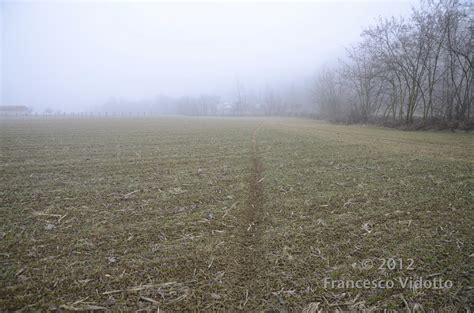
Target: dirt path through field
{"type": "Point", "coordinates": [245, 270]}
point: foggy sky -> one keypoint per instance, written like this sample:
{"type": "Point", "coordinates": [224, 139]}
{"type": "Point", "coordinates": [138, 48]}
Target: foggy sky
{"type": "Point", "coordinates": [76, 55]}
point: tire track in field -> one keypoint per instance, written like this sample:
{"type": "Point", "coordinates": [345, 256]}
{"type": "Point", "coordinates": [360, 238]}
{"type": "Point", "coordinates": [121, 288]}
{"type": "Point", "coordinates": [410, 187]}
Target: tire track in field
{"type": "Point", "coordinates": [245, 267]}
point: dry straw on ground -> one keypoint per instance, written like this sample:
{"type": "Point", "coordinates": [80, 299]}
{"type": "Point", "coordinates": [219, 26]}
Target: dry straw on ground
{"type": "Point", "coordinates": [228, 214]}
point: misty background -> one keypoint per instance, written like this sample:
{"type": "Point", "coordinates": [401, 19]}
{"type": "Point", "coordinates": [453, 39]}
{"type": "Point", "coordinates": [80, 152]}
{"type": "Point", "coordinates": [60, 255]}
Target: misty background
{"type": "Point", "coordinates": [97, 56]}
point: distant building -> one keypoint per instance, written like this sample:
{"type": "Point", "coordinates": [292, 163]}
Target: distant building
{"type": "Point", "coordinates": [227, 108]}
{"type": "Point", "coordinates": [12, 110]}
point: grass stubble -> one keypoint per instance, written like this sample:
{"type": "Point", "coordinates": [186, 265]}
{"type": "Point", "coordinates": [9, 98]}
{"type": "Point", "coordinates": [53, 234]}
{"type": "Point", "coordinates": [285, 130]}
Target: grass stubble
{"type": "Point", "coordinates": [230, 214]}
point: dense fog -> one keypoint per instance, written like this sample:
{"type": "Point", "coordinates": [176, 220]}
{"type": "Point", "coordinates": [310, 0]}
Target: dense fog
{"type": "Point", "coordinates": [124, 56]}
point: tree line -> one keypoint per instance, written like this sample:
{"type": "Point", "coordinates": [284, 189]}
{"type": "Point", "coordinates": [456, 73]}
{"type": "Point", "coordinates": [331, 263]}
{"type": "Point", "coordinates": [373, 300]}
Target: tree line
{"type": "Point", "coordinates": [405, 69]}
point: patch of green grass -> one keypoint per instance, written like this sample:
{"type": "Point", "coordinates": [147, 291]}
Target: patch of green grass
{"type": "Point", "coordinates": [127, 214]}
